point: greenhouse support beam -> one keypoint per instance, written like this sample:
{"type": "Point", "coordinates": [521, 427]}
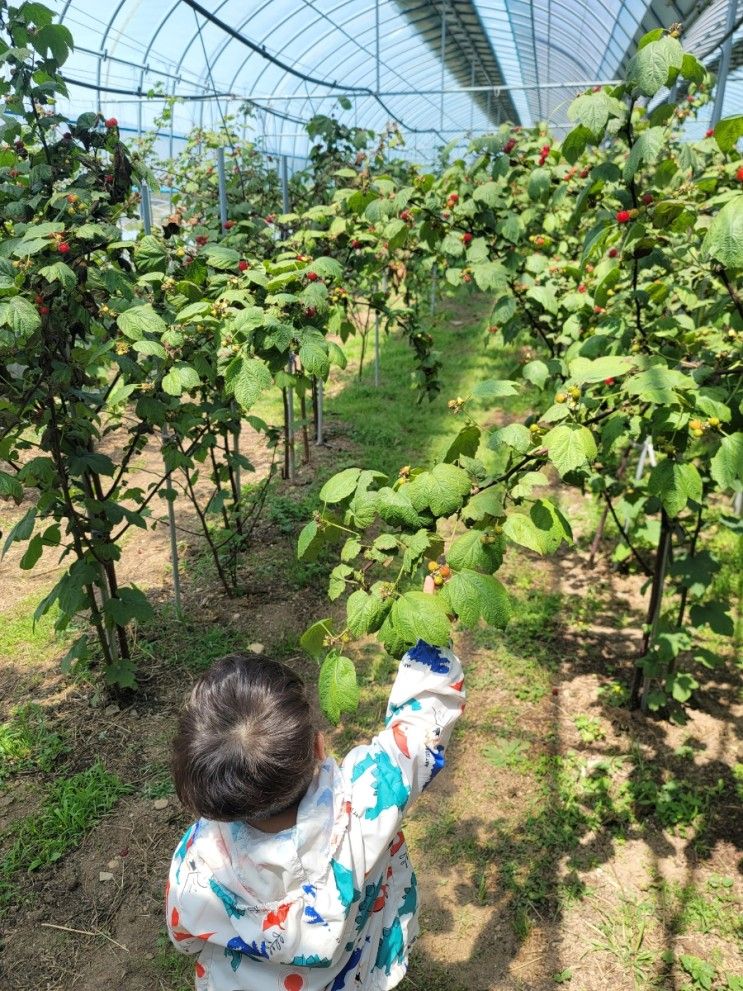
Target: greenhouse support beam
{"type": "Point", "coordinates": [222, 180]}
{"type": "Point", "coordinates": [285, 184]}
{"type": "Point", "coordinates": [145, 207]}
{"type": "Point", "coordinates": [446, 91]}
{"type": "Point", "coordinates": [376, 38]}
{"type": "Point", "coordinates": [443, 62]}
{"type": "Point", "coordinates": [722, 75]}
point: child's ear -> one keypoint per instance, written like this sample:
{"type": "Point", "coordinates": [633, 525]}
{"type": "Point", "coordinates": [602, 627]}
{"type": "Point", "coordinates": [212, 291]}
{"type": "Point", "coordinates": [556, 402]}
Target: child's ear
{"type": "Point", "coordinates": [319, 746]}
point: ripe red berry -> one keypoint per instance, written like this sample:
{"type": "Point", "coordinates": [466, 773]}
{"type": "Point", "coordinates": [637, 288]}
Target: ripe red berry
{"type": "Point", "coordinates": [710, 132]}
{"type": "Point", "coordinates": [228, 225]}
{"type": "Point", "coordinates": [43, 310]}
{"type": "Point", "coordinates": [406, 215]}
{"type": "Point", "coordinates": [243, 265]}
{"type": "Point", "coordinates": [623, 216]}
{"type": "Point", "coordinates": [609, 381]}
{"type": "Point", "coordinates": [201, 239]}
{"type": "Point", "coordinates": [63, 247]}
{"type": "Point", "coordinates": [584, 173]}
{"type": "Point", "coordinates": [493, 329]}
{"type": "Point", "coordinates": [310, 312]}
{"type": "Point", "coordinates": [453, 198]}
{"type": "Point", "coordinates": [112, 122]}
{"type": "Point", "coordinates": [312, 276]}
{"type": "Point", "coordinates": [739, 174]}
{"type": "Point", "coordinates": [108, 178]}
{"type": "Point", "coordinates": [582, 287]}
{"type": "Point", "coordinates": [647, 198]}
{"type": "Point", "coordinates": [613, 252]}
{"type": "Point", "coordinates": [355, 244]}
{"type": "Point", "coordinates": [509, 146]}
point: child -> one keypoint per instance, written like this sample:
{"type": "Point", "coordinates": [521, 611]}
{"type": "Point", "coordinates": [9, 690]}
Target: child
{"type": "Point", "coordinates": [296, 876]}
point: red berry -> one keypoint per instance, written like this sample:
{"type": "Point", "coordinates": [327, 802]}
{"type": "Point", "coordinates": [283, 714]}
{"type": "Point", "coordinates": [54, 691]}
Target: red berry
{"type": "Point", "coordinates": [108, 178]}
{"type": "Point", "coordinates": [623, 216]}
{"type": "Point", "coordinates": [509, 146]}
{"type": "Point", "coordinates": [453, 198]}
{"type": "Point", "coordinates": [609, 381]}
{"type": "Point", "coordinates": [545, 150]}
{"type": "Point", "coordinates": [555, 691]}
{"type": "Point", "coordinates": [493, 329]}
{"type": "Point", "coordinates": [310, 312]}
{"type": "Point", "coordinates": [710, 132]}
{"type": "Point", "coordinates": [647, 198]}
{"type": "Point", "coordinates": [312, 276]}
{"type": "Point", "coordinates": [63, 247]}
{"type": "Point", "coordinates": [599, 309]}
{"type": "Point", "coordinates": [270, 218]}
{"type": "Point", "coordinates": [739, 174]}
{"type": "Point", "coordinates": [613, 252]}
{"type": "Point", "coordinates": [243, 265]}
{"type": "Point", "coordinates": [228, 225]}
{"type": "Point", "coordinates": [112, 122]}
{"type": "Point", "coordinates": [466, 237]}
{"type": "Point", "coordinates": [406, 215]}
{"type": "Point", "coordinates": [584, 173]}
{"type": "Point", "coordinates": [355, 244]}
{"type": "Point", "coordinates": [582, 287]}
{"type": "Point", "coordinates": [201, 239]}
{"type": "Point", "coordinates": [43, 310]}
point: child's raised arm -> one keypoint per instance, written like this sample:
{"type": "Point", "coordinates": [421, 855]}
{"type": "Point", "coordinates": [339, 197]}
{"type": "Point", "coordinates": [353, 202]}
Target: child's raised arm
{"type": "Point", "coordinates": [385, 776]}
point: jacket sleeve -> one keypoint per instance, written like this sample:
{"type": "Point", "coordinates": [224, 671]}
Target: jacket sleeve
{"type": "Point", "coordinates": [388, 774]}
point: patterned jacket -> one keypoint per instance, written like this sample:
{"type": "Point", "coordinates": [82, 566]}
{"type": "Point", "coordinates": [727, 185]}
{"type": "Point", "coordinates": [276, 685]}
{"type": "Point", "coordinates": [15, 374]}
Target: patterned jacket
{"type": "Point", "coordinates": [330, 903]}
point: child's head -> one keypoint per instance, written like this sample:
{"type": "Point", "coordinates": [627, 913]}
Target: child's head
{"type": "Point", "coordinates": [246, 744]}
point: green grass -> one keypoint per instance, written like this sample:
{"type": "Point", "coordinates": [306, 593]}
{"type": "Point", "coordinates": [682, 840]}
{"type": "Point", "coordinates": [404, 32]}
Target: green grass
{"type": "Point", "coordinates": [72, 806]}
{"type": "Point", "coordinates": [24, 643]}
{"type": "Point", "coordinates": [27, 743]}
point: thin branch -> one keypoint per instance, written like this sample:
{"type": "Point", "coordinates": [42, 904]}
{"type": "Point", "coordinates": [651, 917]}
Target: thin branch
{"type": "Point", "coordinates": [640, 560]}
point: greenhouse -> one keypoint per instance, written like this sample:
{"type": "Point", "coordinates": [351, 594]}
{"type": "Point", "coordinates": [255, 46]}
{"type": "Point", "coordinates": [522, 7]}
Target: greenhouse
{"type": "Point", "coordinates": [371, 410]}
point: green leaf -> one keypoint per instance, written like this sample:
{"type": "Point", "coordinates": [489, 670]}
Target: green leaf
{"type": "Point", "coordinates": [514, 435]}
{"type": "Point", "coordinates": [150, 254]}
{"type": "Point", "coordinates": [724, 238]}
{"type": "Point", "coordinates": [675, 484]}
{"type": "Point", "coordinates": [495, 389]}
{"type": "Point", "coordinates": [351, 549]}
{"type": "Point", "coordinates": [488, 503]}
{"type": "Point", "coordinates": [543, 530]}
{"type": "Point", "coordinates": [681, 686]}
{"type": "Point", "coordinates": [545, 297]}
{"type": "Point", "coordinates": [221, 257]}
{"type": "Point", "coordinates": [473, 551]}
{"type": "Point", "coordinates": [649, 68]}
{"type": "Point", "coordinates": [140, 320]}
{"type": "Point", "coordinates": [313, 353]}
{"type": "Point", "coordinates": [489, 276]}
{"type": "Point", "coordinates": [585, 370]}
{"type": "Point", "coordinates": [570, 446]}
{"type": "Point", "coordinates": [128, 604]}
{"type": "Point", "coordinates": [442, 489]}
{"type": "Point", "coordinates": [22, 316]}
{"type": "Point", "coordinates": [340, 486]}
{"type": "Point", "coordinates": [59, 272]}
{"type": "Point", "coordinates": [181, 376]}
{"type": "Point", "coordinates": [726, 467]}
{"type": "Point", "coordinates": [657, 384]}
{"type": "Point", "coordinates": [715, 615]}
{"type": "Point", "coordinates": [309, 541]}
{"type": "Point", "coordinates": [728, 131]}
{"type": "Point", "coordinates": [337, 584]}
{"type": "Point", "coordinates": [313, 639]}
{"type": "Point", "coordinates": [10, 487]}
{"type": "Point", "coordinates": [327, 268]}
{"type": "Point", "coordinates": [337, 687]}
{"type": "Point", "coordinates": [465, 443]}
{"type": "Point", "coordinates": [536, 372]}
{"type": "Point", "coordinates": [33, 552]}
{"type": "Point", "coordinates": [473, 596]}
{"type": "Point", "coordinates": [418, 616]}
{"type": "Point", "coordinates": [396, 508]}
{"type": "Point", "coordinates": [538, 184]}
{"type": "Point", "coordinates": [592, 111]}
{"type": "Point", "coordinates": [252, 380]}
{"type": "Point", "coordinates": [692, 69]}
{"type": "Point", "coordinates": [489, 193]}
{"type": "Point", "coordinates": [365, 612]}
{"type": "Point", "coordinates": [21, 531]}
{"type": "Point", "coordinates": [147, 347]}
{"type": "Point", "coordinates": [645, 150]}
{"type": "Point", "coordinates": [574, 143]}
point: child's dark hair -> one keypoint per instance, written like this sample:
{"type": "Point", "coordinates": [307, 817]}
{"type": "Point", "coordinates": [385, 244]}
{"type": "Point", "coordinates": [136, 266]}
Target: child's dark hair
{"type": "Point", "coordinates": [245, 746]}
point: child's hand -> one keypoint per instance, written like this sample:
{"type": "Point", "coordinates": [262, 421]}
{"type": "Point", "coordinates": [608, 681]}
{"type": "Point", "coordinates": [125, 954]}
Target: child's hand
{"type": "Point", "coordinates": [429, 585]}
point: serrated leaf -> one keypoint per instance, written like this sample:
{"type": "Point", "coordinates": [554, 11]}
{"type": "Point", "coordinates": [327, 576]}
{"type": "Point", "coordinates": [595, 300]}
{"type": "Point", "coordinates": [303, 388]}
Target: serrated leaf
{"type": "Point", "coordinates": [340, 486]}
{"type": "Point", "coordinates": [645, 150]}
{"type": "Point", "coordinates": [649, 68]}
{"type": "Point", "coordinates": [574, 143]}
{"type": "Point", "coordinates": [726, 467]}
{"type": "Point", "coordinates": [10, 487]}
{"type": "Point", "coordinates": [365, 612]}
{"type": "Point", "coordinates": [728, 131]}
{"type": "Point", "coordinates": [396, 508]}
{"type": "Point", "coordinates": [441, 489]}
{"type": "Point", "coordinates": [129, 603]}
{"type": "Point", "coordinates": [313, 639]}
{"type": "Point", "coordinates": [418, 616]}
{"type": "Point", "coordinates": [33, 552]}
{"type": "Point", "coordinates": [22, 529]}
{"type": "Point", "coordinates": [351, 549]}
{"type": "Point", "coordinates": [495, 389]}
{"type": "Point", "coordinates": [22, 316]}
{"type": "Point", "coordinates": [465, 443]}
{"type": "Point", "coordinates": [675, 484]}
{"type": "Point", "coordinates": [253, 378]}
{"type": "Point", "coordinates": [514, 435]}
{"type": "Point", "coordinates": [536, 372]}
{"type": "Point", "coordinates": [545, 297]}
{"type": "Point", "coordinates": [59, 272]}
{"type": "Point", "coordinates": [337, 583]}
{"type": "Point", "coordinates": [140, 320]}
{"type": "Point", "coordinates": [585, 370]}
{"type": "Point", "coordinates": [337, 686]}
{"type": "Point", "coordinates": [474, 551]}
{"type": "Point", "coordinates": [473, 596]}
{"type": "Point", "coordinates": [724, 238]}
{"type": "Point", "coordinates": [488, 193]}
{"type": "Point", "coordinates": [570, 446]}
{"type": "Point", "coordinates": [658, 384]}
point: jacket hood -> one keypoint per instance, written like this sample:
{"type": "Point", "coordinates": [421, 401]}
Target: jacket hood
{"type": "Point", "coordinates": [280, 890]}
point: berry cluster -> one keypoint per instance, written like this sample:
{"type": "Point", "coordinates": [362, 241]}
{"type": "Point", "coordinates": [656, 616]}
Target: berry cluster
{"type": "Point", "coordinates": [440, 571]}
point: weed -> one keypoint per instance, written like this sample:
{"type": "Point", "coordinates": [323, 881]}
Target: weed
{"type": "Point", "coordinates": [24, 642]}
{"type": "Point", "coordinates": [589, 729]}
{"type": "Point", "coordinates": [71, 808]}
{"type": "Point", "coordinates": [27, 743]}
{"type": "Point", "coordinates": [622, 935]}
{"type": "Point", "coordinates": [615, 694]}
{"type": "Point", "coordinates": [174, 967]}
{"type": "Point", "coordinates": [509, 753]}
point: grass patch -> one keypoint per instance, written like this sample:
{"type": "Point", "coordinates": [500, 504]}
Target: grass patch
{"type": "Point", "coordinates": [189, 644]}
{"type": "Point", "coordinates": [22, 641]}
{"type": "Point", "coordinates": [71, 808]}
{"type": "Point", "coordinates": [27, 743]}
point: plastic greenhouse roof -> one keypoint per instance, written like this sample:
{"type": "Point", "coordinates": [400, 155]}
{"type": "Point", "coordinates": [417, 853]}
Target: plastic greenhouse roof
{"type": "Point", "coordinates": [439, 68]}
